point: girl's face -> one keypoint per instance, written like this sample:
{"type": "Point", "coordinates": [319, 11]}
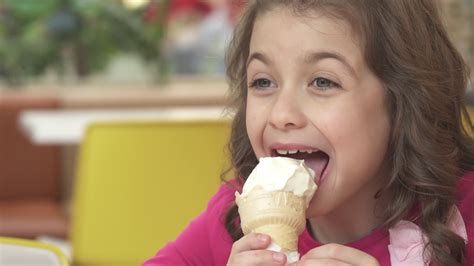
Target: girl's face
{"type": "Point", "coordinates": [311, 96]}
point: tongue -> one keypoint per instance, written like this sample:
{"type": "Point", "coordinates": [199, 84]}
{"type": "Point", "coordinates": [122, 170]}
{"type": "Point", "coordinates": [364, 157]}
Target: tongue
{"type": "Point", "coordinates": [318, 163]}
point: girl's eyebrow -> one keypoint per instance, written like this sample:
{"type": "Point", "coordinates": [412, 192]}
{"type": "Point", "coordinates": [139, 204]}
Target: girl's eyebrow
{"type": "Point", "coordinates": [309, 59]}
{"type": "Point", "coordinates": [314, 57]}
{"type": "Point", "coordinates": [258, 56]}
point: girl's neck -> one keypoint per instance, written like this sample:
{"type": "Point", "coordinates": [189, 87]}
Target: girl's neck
{"type": "Point", "coordinates": [341, 230]}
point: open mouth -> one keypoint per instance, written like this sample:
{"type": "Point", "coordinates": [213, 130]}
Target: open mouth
{"type": "Point", "coordinates": [317, 160]}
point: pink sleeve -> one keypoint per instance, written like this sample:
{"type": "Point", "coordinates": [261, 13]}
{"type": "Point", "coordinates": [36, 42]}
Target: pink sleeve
{"type": "Point", "coordinates": [465, 205]}
{"type": "Point", "coordinates": [204, 241]}
{"type": "Point", "coordinates": [189, 248]}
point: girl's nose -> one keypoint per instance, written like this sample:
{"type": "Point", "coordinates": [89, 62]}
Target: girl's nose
{"type": "Point", "coordinates": [287, 112]}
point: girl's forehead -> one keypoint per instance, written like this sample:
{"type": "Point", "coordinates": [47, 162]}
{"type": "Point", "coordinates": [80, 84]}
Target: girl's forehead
{"type": "Point", "coordinates": [315, 19]}
{"type": "Point", "coordinates": [293, 41]}
{"type": "Point", "coordinates": [282, 26]}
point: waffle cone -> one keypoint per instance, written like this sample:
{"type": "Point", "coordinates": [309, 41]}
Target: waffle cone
{"type": "Point", "coordinates": [279, 214]}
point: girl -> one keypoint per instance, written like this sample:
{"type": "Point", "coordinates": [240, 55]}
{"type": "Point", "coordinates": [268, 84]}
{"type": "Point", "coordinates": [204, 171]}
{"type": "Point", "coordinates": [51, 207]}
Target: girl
{"type": "Point", "coordinates": [371, 95]}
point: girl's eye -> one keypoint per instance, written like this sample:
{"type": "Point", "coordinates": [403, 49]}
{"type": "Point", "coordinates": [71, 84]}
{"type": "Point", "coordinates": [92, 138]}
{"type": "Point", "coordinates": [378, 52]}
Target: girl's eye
{"type": "Point", "coordinates": [261, 83]}
{"type": "Point", "coordinates": [324, 83]}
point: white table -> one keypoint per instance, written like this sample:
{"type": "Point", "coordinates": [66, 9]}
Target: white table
{"type": "Point", "coordinates": [67, 126]}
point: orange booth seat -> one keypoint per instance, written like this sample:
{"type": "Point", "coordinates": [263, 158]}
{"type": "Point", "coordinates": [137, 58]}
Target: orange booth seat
{"type": "Point", "coordinates": [29, 175]}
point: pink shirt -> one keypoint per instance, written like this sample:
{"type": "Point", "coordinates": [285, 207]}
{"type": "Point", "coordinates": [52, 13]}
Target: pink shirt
{"type": "Point", "coordinates": [206, 242]}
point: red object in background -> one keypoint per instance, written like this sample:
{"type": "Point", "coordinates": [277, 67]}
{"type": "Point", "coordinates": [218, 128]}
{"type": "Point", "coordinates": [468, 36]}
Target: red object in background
{"type": "Point", "coordinates": [235, 6]}
{"type": "Point", "coordinates": [178, 7]}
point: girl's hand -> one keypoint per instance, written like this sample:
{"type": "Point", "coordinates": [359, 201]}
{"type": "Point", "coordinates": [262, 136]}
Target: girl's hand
{"type": "Point", "coordinates": [250, 250]}
{"type": "Point", "coordinates": [335, 254]}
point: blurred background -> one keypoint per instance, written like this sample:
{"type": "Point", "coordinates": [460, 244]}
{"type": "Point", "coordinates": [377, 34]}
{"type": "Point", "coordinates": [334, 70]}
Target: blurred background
{"type": "Point", "coordinates": [74, 41]}
{"type": "Point", "coordinates": [125, 69]}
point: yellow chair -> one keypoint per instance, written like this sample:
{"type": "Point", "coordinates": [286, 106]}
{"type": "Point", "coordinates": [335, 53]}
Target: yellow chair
{"type": "Point", "coordinates": [470, 110]}
{"type": "Point", "coordinates": [23, 252]}
{"type": "Point", "coordinates": [138, 184]}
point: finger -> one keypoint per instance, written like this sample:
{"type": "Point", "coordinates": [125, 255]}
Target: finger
{"type": "Point", "coordinates": [342, 253]}
{"type": "Point", "coordinates": [251, 242]}
{"type": "Point", "coordinates": [258, 257]}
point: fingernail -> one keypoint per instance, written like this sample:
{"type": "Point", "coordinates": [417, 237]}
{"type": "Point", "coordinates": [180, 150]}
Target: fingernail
{"type": "Point", "coordinates": [262, 238]}
{"type": "Point", "coordinates": [279, 257]}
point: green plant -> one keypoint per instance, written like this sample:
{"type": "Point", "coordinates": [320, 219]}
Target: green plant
{"type": "Point", "coordinates": [49, 34]}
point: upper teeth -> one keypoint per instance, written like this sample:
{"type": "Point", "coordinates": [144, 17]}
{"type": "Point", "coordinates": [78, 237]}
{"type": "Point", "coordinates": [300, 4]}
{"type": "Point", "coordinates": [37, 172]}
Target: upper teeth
{"type": "Point", "coordinates": [283, 152]}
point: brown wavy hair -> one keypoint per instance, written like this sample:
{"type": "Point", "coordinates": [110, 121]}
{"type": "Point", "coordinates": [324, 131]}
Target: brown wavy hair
{"type": "Point", "coordinates": [406, 45]}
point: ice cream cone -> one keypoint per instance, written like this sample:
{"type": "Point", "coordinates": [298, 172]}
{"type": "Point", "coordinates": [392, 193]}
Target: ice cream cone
{"type": "Point", "coordinates": [274, 200]}
{"type": "Point", "coordinates": [280, 214]}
